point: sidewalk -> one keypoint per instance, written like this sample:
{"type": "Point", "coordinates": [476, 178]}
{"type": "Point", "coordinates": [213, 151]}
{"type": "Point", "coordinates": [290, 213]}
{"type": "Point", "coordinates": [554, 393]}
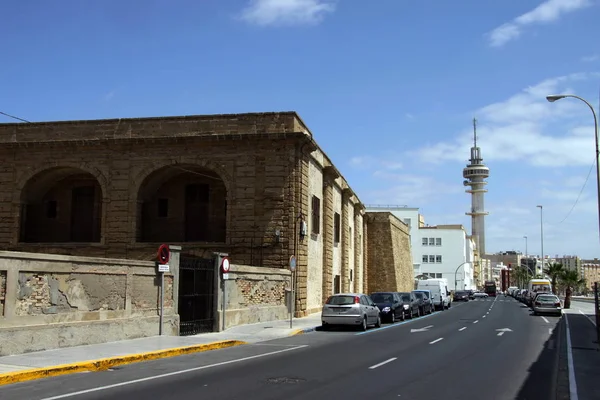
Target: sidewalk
{"type": "Point", "coordinates": [97, 357]}
{"type": "Point", "coordinates": [584, 349]}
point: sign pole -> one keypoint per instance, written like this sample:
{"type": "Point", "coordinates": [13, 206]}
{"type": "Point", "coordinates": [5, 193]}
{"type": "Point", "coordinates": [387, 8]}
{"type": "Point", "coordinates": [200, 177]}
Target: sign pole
{"type": "Point", "coordinates": [225, 274]}
{"type": "Point", "coordinates": [292, 266]}
{"type": "Point", "coordinates": [162, 303]}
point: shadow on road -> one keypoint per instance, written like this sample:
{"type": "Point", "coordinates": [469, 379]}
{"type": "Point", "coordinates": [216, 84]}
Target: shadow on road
{"type": "Point", "coordinates": [544, 376]}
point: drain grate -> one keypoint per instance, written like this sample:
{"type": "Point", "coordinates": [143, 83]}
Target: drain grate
{"type": "Point", "coordinates": [285, 380]}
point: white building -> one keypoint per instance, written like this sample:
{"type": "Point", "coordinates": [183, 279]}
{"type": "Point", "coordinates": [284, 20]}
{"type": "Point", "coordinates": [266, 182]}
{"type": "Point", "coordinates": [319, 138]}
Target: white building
{"type": "Point", "coordinates": [443, 251]}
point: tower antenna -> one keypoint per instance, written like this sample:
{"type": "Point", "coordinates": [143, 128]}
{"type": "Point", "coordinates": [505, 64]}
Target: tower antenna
{"type": "Point", "coordinates": [474, 132]}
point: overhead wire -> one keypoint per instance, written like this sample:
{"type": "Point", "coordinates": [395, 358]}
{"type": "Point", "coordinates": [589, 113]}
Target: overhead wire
{"type": "Point", "coordinates": [13, 117]}
{"type": "Point", "coordinates": [580, 192]}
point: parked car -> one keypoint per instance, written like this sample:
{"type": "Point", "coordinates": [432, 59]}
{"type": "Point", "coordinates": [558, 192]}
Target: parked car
{"type": "Point", "coordinates": [461, 295]}
{"type": "Point", "coordinates": [356, 309]}
{"type": "Point", "coordinates": [410, 304]}
{"type": "Point", "coordinates": [425, 304]}
{"type": "Point", "coordinates": [439, 291]}
{"type": "Point", "coordinates": [477, 295]}
{"type": "Point", "coordinates": [390, 304]}
{"type": "Point", "coordinates": [547, 304]}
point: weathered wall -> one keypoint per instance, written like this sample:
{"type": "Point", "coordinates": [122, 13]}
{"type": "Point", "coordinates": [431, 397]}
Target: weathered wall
{"type": "Point", "coordinates": [255, 294]}
{"type": "Point", "coordinates": [389, 254]}
{"type": "Point", "coordinates": [51, 301]}
{"type": "Point", "coordinates": [315, 240]}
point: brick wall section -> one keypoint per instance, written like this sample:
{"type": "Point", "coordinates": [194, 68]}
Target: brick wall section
{"type": "Point", "coordinates": [328, 232]}
{"type": "Point", "coordinates": [346, 195]}
{"type": "Point", "coordinates": [366, 272]}
{"type": "Point", "coordinates": [390, 263]}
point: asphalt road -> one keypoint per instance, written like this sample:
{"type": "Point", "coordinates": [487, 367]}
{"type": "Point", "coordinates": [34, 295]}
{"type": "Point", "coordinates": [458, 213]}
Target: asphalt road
{"type": "Point", "coordinates": [455, 354]}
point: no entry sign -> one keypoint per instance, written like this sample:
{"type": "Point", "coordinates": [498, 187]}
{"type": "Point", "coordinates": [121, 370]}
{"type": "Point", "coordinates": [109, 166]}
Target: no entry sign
{"type": "Point", "coordinates": [164, 254]}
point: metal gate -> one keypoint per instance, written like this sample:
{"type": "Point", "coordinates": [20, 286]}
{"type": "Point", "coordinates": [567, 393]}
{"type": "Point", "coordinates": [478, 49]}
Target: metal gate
{"type": "Point", "coordinates": [197, 295]}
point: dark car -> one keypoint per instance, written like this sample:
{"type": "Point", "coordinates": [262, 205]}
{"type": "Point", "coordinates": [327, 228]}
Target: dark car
{"type": "Point", "coordinates": [390, 304]}
{"type": "Point", "coordinates": [425, 304]}
{"type": "Point", "coordinates": [410, 304]}
{"type": "Point", "coordinates": [461, 295]}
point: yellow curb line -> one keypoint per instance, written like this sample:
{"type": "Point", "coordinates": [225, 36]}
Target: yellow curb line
{"type": "Point", "coordinates": [106, 363]}
{"type": "Point", "coordinates": [297, 332]}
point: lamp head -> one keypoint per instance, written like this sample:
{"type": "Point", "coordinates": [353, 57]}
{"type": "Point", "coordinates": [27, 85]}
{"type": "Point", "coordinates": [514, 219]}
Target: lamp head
{"type": "Point", "coordinates": [553, 97]}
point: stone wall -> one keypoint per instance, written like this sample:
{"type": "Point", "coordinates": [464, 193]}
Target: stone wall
{"type": "Point", "coordinates": [254, 294]}
{"type": "Point", "coordinates": [51, 301]}
{"type": "Point", "coordinates": [389, 254]}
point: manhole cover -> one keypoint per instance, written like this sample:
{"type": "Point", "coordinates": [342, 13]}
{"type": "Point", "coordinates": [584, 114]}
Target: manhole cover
{"type": "Point", "coordinates": [285, 379]}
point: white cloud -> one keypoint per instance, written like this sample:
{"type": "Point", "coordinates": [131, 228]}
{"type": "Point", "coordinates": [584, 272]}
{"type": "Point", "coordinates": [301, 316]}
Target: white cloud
{"type": "Point", "coordinates": [527, 128]}
{"type": "Point", "coordinates": [370, 161]}
{"type": "Point", "coordinates": [286, 12]}
{"type": "Point", "coordinates": [407, 189]}
{"type": "Point", "coordinates": [591, 58]}
{"type": "Point", "coordinates": [547, 12]}
{"type": "Point", "coordinates": [108, 96]}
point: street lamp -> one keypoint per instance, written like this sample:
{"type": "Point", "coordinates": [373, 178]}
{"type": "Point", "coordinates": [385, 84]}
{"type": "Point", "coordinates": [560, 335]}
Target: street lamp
{"type": "Point", "coordinates": [525, 237]}
{"type": "Point", "coordinates": [541, 233]}
{"type": "Point", "coordinates": [455, 272]}
{"type": "Point", "coordinates": [552, 99]}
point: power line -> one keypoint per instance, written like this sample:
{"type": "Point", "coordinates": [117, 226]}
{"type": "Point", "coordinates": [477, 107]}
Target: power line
{"type": "Point", "coordinates": [17, 118]}
{"type": "Point", "coordinates": [581, 191]}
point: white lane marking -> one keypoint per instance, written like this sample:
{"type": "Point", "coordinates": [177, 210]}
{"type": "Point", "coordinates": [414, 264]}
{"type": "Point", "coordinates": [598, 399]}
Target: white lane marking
{"type": "Point", "coordinates": [549, 331]}
{"type": "Point", "coordinates": [500, 333]}
{"type": "Point", "coordinates": [184, 371]}
{"type": "Point", "coordinates": [572, 382]}
{"type": "Point", "coordinates": [545, 320]}
{"type": "Point", "coordinates": [462, 329]}
{"type": "Point", "coordinates": [436, 340]}
{"type": "Point", "coordinates": [484, 316]}
{"type": "Point", "coordinates": [476, 321]}
{"type": "Point", "coordinates": [487, 313]}
{"type": "Point", "coordinates": [382, 363]}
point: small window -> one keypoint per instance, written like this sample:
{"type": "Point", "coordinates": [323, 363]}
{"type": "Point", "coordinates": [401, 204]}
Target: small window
{"type": "Point", "coordinates": [432, 259]}
{"type": "Point", "coordinates": [439, 276]}
{"type": "Point", "coordinates": [432, 241]}
{"type": "Point", "coordinates": [316, 215]}
{"type": "Point", "coordinates": [337, 228]}
{"type": "Point", "coordinates": [438, 259]}
{"type": "Point", "coordinates": [425, 242]}
{"type": "Point", "coordinates": [351, 275]}
{"type": "Point", "coordinates": [163, 208]}
{"type": "Point", "coordinates": [425, 259]}
{"type": "Point", "coordinates": [438, 241]}
{"type": "Point", "coordinates": [51, 209]}
{"type": "Point", "coordinates": [350, 237]}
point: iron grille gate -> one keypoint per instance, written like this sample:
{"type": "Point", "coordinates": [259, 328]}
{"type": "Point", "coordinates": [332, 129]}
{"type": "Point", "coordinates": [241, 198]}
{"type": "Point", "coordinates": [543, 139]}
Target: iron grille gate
{"type": "Point", "coordinates": [197, 295]}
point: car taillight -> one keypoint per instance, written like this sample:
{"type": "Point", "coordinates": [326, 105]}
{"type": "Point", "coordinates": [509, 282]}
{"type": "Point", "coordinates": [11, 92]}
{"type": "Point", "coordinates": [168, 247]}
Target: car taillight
{"type": "Point", "coordinates": [537, 303]}
{"type": "Point", "coordinates": [557, 304]}
{"type": "Point", "coordinates": [328, 299]}
{"type": "Point", "coordinates": [356, 300]}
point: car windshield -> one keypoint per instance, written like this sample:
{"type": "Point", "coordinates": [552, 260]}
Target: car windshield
{"type": "Point", "coordinates": [382, 297]}
{"type": "Point", "coordinates": [460, 293]}
{"type": "Point", "coordinates": [419, 295]}
{"type": "Point", "coordinates": [547, 298]}
{"type": "Point", "coordinates": [405, 296]}
{"type": "Point", "coordinates": [341, 300]}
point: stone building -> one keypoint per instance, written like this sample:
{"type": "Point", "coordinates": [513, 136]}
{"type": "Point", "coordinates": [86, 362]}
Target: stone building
{"type": "Point", "coordinates": [241, 184]}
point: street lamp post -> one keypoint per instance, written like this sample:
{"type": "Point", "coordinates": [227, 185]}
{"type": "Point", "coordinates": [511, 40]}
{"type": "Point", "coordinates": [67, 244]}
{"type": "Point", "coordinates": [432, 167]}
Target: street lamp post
{"type": "Point", "coordinates": [541, 234]}
{"type": "Point", "coordinates": [455, 272]}
{"type": "Point", "coordinates": [552, 99]}
{"type": "Point", "coordinates": [526, 256]}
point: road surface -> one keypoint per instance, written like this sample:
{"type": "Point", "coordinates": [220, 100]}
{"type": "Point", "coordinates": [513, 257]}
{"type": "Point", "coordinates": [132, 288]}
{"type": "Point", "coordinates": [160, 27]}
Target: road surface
{"type": "Point", "coordinates": [492, 348]}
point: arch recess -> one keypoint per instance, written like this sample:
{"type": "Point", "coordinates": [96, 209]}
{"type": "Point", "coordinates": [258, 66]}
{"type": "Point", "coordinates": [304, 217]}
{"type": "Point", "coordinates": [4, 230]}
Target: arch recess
{"type": "Point", "coordinates": [61, 203]}
{"type": "Point", "coordinates": [182, 202]}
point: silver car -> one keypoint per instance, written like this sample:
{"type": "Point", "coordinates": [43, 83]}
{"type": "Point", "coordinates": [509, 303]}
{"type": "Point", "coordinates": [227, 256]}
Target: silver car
{"type": "Point", "coordinates": [350, 309]}
{"type": "Point", "coordinates": [547, 304]}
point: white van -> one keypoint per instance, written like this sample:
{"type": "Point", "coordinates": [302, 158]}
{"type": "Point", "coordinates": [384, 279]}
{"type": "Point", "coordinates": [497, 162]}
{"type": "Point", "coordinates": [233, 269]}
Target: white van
{"type": "Point", "coordinates": [440, 296]}
{"type": "Point", "coordinates": [535, 286]}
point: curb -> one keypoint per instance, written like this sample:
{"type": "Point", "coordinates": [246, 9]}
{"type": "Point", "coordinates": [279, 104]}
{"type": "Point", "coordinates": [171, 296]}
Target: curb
{"type": "Point", "coordinates": [106, 363]}
{"type": "Point", "coordinates": [303, 330]}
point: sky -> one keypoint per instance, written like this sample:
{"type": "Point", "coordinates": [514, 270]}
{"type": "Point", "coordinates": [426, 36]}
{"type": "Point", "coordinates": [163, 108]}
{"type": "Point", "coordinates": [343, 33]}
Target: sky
{"type": "Point", "coordinates": [389, 89]}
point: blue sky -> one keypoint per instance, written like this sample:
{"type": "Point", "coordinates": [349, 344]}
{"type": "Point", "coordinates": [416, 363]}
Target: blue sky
{"type": "Point", "coordinates": [388, 87]}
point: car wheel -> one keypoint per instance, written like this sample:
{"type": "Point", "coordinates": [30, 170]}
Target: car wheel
{"type": "Point", "coordinates": [418, 312]}
{"type": "Point", "coordinates": [364, 325]}
{"type": "Point", "coordinates": [324, 327]}
{"type": "Point", "coordinates": [393, 317]}
{"type": "Point", "coordinates": [403, 316]}
{"type": "Point", "coordinates": [378, 323]}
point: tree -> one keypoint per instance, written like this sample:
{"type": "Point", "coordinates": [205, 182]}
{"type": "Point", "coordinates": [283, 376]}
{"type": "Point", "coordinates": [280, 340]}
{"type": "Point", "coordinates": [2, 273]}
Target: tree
{"type": "Point", "coordinates": [554, 271]}
{"type": "Point", "coordinates": [570, 280]}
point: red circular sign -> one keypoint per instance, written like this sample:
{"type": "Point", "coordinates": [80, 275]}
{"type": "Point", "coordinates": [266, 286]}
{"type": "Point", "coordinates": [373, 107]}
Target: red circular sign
{"type": "Point", "coordinates": [225, 265]}
{"type": "Point", "coordinates": [163, 254]}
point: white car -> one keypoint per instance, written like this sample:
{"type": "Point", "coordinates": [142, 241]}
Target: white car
{"type": "Point", "coordinates": [480, 294]}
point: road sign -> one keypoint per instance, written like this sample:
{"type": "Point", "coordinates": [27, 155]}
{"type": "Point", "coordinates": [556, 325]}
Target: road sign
{"type": "Point", "coordinates": [503, 330]}
{"type": "Point", "coordinates": [164, 254]}
{"type": "Point", "coordinates": [292, 263]}
{"type": "Point", "coordinates": [424, 329]}
{"type": "Point", "coordinates": [163, 267]}
{"type": "Point", "coordinates": [225, 268]}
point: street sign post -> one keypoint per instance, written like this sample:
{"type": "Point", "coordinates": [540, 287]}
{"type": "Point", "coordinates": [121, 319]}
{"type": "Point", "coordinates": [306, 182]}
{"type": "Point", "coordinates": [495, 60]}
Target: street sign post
{"type": "Point", "coordinates": [163, 256]}
{"type": "Point", "coordinates": [292, 266]}
{"type": "Point", "coordinates": [225, 268]}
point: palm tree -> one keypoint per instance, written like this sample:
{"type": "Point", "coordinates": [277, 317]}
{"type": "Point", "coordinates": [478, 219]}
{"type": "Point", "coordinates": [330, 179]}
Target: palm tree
{"type": "Point", "coordinates": [554, 271]}
{"type": "Point", "coordinates": [570, 280]}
